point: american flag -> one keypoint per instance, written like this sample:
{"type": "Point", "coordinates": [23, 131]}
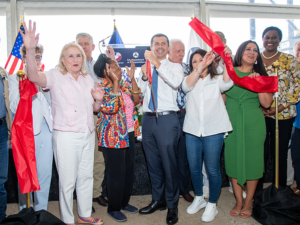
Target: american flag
{"type": "Point", "coordinates": [14, 62]}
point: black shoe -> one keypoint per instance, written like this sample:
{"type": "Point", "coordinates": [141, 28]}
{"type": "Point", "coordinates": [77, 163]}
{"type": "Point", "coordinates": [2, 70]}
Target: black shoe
{"type": "Point", "coordinates": [154, 205]}
{"type": "Point", "coordinates": [101, 201]}
{"type": "Point", "coordinates": [172, 216]}
{"type": "Point", "coordinates": [93, 209]}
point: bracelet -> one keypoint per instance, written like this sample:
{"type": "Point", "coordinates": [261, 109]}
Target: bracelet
{"type": "Point", "coordinates": [198, 72]}
{"type": "Point", "coordinates": [115, 94]}
{"type": "Point", "coordinates": [135, 92]}
{"type": "Point", "coordinates": [143, 79]}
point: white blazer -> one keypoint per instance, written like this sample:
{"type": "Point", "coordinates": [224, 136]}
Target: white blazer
{"type": "Point", "coordinates": [41, 104]}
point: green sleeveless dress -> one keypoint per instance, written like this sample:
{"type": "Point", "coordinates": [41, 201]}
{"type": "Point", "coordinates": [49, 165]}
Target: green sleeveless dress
{"type": "Point", "coordinates": [244, 146]}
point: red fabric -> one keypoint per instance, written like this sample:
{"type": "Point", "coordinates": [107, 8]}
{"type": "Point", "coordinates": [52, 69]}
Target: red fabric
{"type": "Point", "coordinates": [262, 84]}
{"type": "Point", "coordinates": [22, 139]}
{"type": "Point", "coordinates": [42, 68]}
{"type": "Point", "coordinates": [149, 71]}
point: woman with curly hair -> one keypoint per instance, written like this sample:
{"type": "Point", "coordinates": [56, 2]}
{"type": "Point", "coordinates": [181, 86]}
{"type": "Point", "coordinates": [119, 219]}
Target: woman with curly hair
{"type": "Point", "coordinates": [117, 128]}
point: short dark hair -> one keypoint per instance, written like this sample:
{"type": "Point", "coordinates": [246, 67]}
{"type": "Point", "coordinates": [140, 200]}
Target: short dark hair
{"type": "Point", "coordinates": [273, 28]}
{"type": "Point", "coordinates": [258, 67]}
{"type": "Point", "coordinates": [211, 68]}
{"type": "Point", "coordinates": [159, 35]}
{"type": "Point", "coordinates": [100, 65]}
{"type": "Point", "coordinates": [219, 32]}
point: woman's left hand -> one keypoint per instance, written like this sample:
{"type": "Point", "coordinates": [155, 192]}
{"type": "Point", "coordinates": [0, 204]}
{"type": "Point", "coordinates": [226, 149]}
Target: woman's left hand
{"type": "Point", "coordinates": [131, 70]}
{"type": "Point", "coordinates": [98, 92]}
{"type": "Point", "coordinates": [252, 75]}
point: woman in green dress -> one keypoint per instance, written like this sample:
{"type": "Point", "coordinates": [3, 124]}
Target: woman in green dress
{"type": "Point", "coordinates": [244, 146]}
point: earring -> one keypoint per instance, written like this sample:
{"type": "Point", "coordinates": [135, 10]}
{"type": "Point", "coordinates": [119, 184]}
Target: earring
{"type": "Point", "coordinates": [255, 62]}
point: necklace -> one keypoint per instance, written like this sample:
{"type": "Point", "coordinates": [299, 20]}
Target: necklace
{"type": "Point", "coordinates": [270, 56]}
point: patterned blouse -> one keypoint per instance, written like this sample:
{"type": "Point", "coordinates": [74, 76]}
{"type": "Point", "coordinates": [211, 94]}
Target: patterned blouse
{"type": "Point", "coordinates": [112, 125]}
{"type": "Point", "coordinates": [288, 86]}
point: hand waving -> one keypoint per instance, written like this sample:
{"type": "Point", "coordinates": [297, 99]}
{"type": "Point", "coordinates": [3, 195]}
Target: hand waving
{"type": "Point", "coordinates": [98, 92]}
{"type": "Point", "coordinates": [110, 52]}
{"type": "Point", "coordinates": [30, 40]}
{"type": "Point", "coordinates": [131, 70]}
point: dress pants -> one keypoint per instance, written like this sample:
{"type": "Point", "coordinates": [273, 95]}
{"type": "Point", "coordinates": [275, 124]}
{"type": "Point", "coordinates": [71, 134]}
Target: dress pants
{"type": "Point", "coordinates": [74, 159]}
{"type": "Point", "coordinates": [183, 165]}
{"type": "Point", "coordinates": [99, 165]}
{"type": "Point", "coordinates": [44, 159]}
{"type": "Point", "coordinates": [3, 168]}
{"type": "Point", "coordinates": [160, 140]}
{"type": "Point", "coordinates": [285, 129]}
{"type": "Point", "coordinates": [120, 164]}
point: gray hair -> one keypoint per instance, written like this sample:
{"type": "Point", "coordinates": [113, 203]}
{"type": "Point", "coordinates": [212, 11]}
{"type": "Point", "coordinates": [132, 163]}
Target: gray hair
{"type": "Point", "coordinates": [174, 40]}
{"type": "Point", "coordinates": [219, 32]}
{"type": "Point", "coordinates": [295, 45]}
{"type": "Point", "coordinates": [83, 35]}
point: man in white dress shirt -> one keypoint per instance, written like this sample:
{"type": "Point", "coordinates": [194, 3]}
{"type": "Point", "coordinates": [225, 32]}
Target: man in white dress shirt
{"type": "Point", "coordinates": [161, 128]}
{"type": "Point", "coordinates": [85, 40]}
{"type": "Point", "coordinates": [42, 128]}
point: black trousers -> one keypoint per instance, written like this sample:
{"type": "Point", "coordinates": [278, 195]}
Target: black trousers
{"type": "Point", "coordinates": [285, 129]}
{"type": "Point", "coordinates": [295, 150]}
{"type": "Point", "coordinates": [119, 165]}
{"type": "Point", "coordinates": [183, 165]}
{"type": "Point", "coordinates": [160, 140]}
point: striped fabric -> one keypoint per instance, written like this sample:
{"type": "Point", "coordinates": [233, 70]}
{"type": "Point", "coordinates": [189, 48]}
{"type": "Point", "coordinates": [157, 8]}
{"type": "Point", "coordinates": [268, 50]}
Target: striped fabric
{"type": "Point", "coordinates": [92, 221]}
{"type": "Point", "coordinates": [14, 62]}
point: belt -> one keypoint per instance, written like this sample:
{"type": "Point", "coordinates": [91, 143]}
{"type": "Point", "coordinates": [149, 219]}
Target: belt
{"type": "Point", "coordinates": [2, 120]}
{"type": "Point", "coordinates": [181, 111]}
{"type": "Point", "coordinates": [159, 113]}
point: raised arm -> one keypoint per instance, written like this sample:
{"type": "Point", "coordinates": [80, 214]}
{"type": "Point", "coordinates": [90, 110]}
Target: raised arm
{"type": "Point", "coordinates": [192, 79]}
{"type": "Point", "coordinates": [30, 41]}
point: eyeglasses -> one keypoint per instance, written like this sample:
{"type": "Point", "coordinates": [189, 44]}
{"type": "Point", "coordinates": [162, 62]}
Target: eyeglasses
{"type": "Point", "coordinates": [38, 57]}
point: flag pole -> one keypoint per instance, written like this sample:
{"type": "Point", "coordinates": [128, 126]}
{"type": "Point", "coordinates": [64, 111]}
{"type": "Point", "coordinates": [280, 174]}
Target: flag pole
{"type": "Point", "coordinates": [276, 66]}
{"type": "Point", "coordinates": [21, 74]}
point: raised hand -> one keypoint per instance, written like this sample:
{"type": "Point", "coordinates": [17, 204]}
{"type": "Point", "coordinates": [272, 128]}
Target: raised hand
{"type": "Point", "coordinates": [207, 60]}
{"type": "Point", "coordinates": [30, 40]}
{"type": "Point", "coordinates": [98, 92]}
{"type": "Point", "coordinates": [131, 70]}
{"type": "Point", "coordinates": [111, 75]}
{"type": "Point", "coordinates": [227, 50]}
{"type": "Point", "coordinates": [110, 52]}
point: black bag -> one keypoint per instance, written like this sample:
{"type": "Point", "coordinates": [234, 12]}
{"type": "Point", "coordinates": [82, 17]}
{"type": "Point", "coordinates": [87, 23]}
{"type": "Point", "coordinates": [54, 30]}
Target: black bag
{"type": "Point", "coordinates": [30, 217]}
{"type": "Point", "coordinates": [274, 206]}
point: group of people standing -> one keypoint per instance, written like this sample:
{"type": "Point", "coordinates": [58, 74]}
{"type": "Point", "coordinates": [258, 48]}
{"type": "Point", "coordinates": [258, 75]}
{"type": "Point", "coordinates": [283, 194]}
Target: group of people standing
{"type": "Point", "coordinates": [189, 112]}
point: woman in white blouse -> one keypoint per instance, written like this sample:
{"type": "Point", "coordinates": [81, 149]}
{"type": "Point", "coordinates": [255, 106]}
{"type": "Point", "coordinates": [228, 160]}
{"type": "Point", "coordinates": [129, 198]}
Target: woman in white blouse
{"type": "Point", "coordinates": [205, 123]}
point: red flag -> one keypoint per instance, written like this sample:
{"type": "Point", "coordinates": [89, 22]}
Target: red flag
{"type": "Point", "coordinates": [22, 139]}
{"type": "Point", "coordinates": [149, 71]}
{"type": "Point", "coordinates": [258, 84]}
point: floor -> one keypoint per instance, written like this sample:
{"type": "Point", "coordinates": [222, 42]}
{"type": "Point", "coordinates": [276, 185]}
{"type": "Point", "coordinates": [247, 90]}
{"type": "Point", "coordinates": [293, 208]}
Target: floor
{"type": "Point", "coordinates": [225, 204]}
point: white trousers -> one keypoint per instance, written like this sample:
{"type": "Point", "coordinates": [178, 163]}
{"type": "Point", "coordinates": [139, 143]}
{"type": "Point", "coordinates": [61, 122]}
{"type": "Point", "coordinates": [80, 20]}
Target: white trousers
{"type": "Point", "coordinates": [74, 159]}
{"type": "Point", "coordinates": [44, 159]}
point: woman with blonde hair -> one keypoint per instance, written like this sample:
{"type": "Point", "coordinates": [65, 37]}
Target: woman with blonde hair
{"type": "Point", "coordinates": [73, 100]}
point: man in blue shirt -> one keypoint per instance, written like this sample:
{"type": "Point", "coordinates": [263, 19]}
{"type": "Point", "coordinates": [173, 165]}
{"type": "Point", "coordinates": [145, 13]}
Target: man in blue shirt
{"type": "Point", "coordinates": [5, 125]}
{"type": "Point", "coordinates": [295, 144]}
{"type": "Point", "coordinates": [176, 55]}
